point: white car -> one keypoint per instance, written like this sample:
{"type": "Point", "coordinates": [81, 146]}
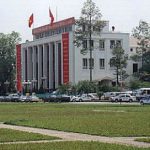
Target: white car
{"type": "Point", "coordinates": [82, 98]}
{"type": "Point", "coordinates": [145, 100]}
{"type": "Point", "coordinates": [123, 98]}
{"type": "Point", "coordinates": [94, 96]}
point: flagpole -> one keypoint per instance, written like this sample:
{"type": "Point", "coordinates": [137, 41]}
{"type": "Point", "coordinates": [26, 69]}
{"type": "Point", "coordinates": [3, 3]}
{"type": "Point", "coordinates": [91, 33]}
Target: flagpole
{"type": "Point", "coordinates": [56, 14]}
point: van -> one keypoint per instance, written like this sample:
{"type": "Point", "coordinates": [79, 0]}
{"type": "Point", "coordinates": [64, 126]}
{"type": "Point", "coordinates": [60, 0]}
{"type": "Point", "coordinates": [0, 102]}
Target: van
{"type": "Point", "coordinates": [142, 92]}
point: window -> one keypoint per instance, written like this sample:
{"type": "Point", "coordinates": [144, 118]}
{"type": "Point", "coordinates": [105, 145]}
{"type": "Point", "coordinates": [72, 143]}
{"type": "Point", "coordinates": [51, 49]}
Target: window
{"type": "Point", "coordinates": [91, 63]}
{"type": "Point", "coordinates": [112, 60]}
{"type": "Point", "coordinates": [101, 44]}
{"type": "Point", "coordinates": [84, 63]}
{"type": "Point", "coordinates": [118, 43]}
{"type": "Point", "coordinates": [92, 44]}
{"type": "Point", "coordinates": [102, 63]}
{"type": "Point", "coordinates": [112, 44]}
{"type": "Point", "coordinates": [85, 44]}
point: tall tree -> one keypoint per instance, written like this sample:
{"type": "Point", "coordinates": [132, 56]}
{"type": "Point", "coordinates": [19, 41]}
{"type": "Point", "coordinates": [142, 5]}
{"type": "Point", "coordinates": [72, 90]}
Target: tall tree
{"type": "Point", "coordinates": [142, 33]}
{"type": "Point", "coordinates": [7, 59]}
{"type": "Point", "coordinates": [119, 62]}
{"type": "Point", "coordinates": [88, 23]}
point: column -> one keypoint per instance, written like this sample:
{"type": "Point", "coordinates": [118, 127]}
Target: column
{"type": "Point", "coordinates": [39, 65]}
{"type": "Point", "coordinates": [34, 62]}
{"type": "Point", "coordinates": [51, 66]}
{"type": "Point", "coordinates": [56, 65]}
{"type": "Point", "coordinates": [29, 63]}
{"type": "Point", "coordinates": [45, 66]}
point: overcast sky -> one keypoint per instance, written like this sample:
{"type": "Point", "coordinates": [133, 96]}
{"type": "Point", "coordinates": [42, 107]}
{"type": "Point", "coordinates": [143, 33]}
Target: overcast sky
{"type": "Point", "coordinates": [123, 14]}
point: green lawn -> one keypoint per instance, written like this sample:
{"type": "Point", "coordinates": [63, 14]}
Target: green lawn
{"type": "Point", "coordinates": [8, 135]}
{"type": "Point", "coordinates": [146, 140]}
{"type": "Point", "coordinates": [108, 120]}
{"type": "Point", "coordinates": [69, 146]}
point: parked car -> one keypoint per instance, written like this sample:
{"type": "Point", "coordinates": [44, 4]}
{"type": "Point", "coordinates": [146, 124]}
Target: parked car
{"type": "Point", "coordinates": [14, 97]}
{"type": "Point", "coordinates": [145, 100]}
{"type": "Point", "coordinates": [83, 98]}
{"type": "Point", "coordinates": [25, 98]}
{"type": "Point", "coordinates": [73, 98]}
{"type": "Point", "coordinates": [1, 98]}
{"type": "Point", "coordinates": [34, 98]}
{"type": "Point", "coordinates": [123, 98]}
{"type": "Point", "coordinates": [94, 96]}
{"type": "Point", "coordinates": [57, 97]}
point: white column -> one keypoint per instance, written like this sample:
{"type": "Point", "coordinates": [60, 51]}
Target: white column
{"type": "Point", "coordinates": [39, 65]}
{"type": "Point", "coordinates": [34, 62]}
{"type": "Point", "coordinates": [45, 65]}
{"type": "Point", "coordinates": [29, 63]}
{"type": "Point", "coordinates": [56, 65]}
{"type": "Point", "coordinates": [50, 67]}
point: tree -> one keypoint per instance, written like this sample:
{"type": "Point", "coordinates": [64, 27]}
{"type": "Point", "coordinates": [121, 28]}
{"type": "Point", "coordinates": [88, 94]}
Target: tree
{"type": "Point", "coordinates": [86, 86]}
{"type": "Point", "coordinates": [119, 62]}
{"type": "Point", "coordinates": [142, 33]}
{"type": "Point", "coordinates": [7, 59]}
{"type": "Point", "coordinates": [89, 23]}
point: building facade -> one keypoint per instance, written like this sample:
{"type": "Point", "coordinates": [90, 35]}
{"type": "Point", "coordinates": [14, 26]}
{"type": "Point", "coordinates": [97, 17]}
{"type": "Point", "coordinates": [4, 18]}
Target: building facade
{"type": "Point", "coordinates": [51, 59]}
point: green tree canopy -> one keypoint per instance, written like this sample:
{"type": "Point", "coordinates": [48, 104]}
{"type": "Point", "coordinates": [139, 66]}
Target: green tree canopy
{"type": "Point", "coordinates": [7, 58]}
{"type": "Point", "coordinates": [88, 23]}
{"type": "Point", "coordinates": [142, 33]}
{"type": "Point", "coordinates": [119, 62]}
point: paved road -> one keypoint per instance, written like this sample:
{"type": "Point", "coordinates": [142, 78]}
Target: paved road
{"type": "Point", "coordinates": [105, 103]}
{"type": "Point", "coordinates": [69, 136]}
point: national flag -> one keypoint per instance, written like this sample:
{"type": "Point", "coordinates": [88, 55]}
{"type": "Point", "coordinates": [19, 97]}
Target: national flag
{"type": "Point", "coordinates": [51, 17]}
{"type": "Point", "coordinates": [31, 20]}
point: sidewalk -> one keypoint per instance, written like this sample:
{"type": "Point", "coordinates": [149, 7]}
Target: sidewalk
{"type": "Point", "coordinates": [69, 136]}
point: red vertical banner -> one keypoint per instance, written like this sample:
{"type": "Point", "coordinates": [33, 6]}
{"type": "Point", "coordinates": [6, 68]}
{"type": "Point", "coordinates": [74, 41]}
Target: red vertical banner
{"type": "Point", "coordinates": [65, 41]}
{"type": "Point", "coordinates": [18, 67]}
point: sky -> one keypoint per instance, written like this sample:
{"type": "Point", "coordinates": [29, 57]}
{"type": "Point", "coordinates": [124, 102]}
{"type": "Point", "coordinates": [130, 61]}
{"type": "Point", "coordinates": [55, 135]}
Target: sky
{"type": "Point", "coordinates": [123, 14]}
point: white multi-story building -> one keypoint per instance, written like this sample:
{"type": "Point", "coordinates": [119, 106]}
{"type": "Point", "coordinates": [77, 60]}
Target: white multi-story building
{"type": "Point", "coordinates": [51, 59]}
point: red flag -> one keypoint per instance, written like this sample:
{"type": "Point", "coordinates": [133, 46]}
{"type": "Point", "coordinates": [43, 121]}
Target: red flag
{"type": "Point", "coordinates": [51, 16]}
{"type": "Point", "coordinates": [31, 20]}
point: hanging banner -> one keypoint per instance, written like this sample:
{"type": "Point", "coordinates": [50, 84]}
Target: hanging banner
{"type": "Point", "coordinates": [65, 41]}
{"type": "Point", "coordinates": [18, 67]}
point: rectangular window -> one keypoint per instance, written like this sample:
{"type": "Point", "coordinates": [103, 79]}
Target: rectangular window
{"type": "Point", "coordinates": [85, 44]}
{"type": "Point", "coordinates": [118, 43]}
{"type": "Point", "coordinates": [102, 63]}
{"type": "Point", "coordinates": [91, 63]}
{"type": "Point", "coordinates": [92, 44]}
{"type": "Point", "coordinates": [102, 45]}
{"type": "Point", "coordinates": [84, 63]}
{"type": "Point", "coordinates": [112, 61]}
{"type": "Point", "coordinates": [112, 44]}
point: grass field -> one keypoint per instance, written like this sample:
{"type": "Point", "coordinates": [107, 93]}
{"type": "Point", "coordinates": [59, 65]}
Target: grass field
{"type": "Point", "coordinates": [69, 146]}
{"type": "Point", "coordinates": [108, 120]}
{"type": "Point", "coordinates": [8, 135]}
